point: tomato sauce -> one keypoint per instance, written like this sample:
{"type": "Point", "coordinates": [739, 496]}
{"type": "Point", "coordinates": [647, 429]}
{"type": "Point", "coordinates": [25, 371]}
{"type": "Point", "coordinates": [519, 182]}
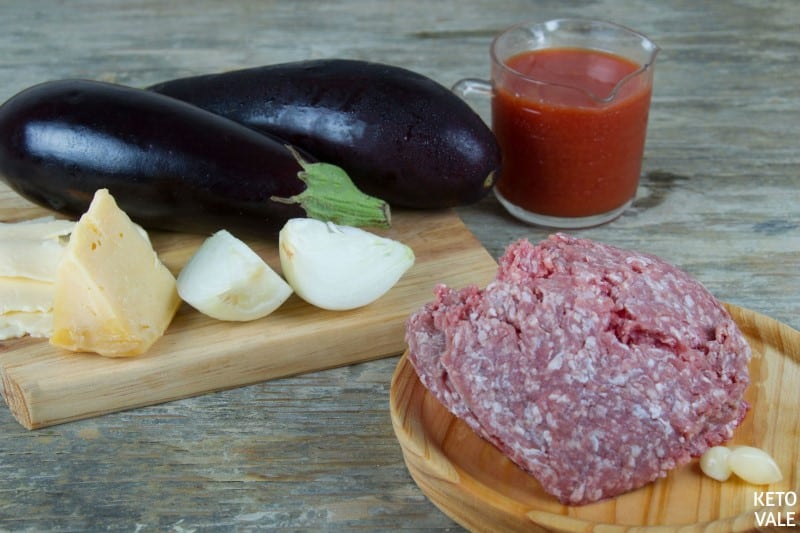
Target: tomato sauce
{"type": "Point", "coordinates": [566, 153]}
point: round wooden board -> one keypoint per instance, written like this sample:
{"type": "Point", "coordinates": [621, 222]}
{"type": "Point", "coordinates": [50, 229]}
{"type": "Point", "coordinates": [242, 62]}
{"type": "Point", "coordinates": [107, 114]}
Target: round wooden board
{"type": "Point", "coordinates": [473, 483]}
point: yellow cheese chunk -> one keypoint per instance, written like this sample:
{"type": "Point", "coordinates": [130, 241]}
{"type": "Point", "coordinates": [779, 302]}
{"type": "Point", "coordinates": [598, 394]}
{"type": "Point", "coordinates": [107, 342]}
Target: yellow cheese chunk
{"type": "Point", "coordinates": [19, 324]}
{"type": "Point", "coordinates": [113, 295]}
{"type": "Point", "coordinates": [28, 295]}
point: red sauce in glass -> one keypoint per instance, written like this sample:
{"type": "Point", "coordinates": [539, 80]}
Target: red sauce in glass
{"type": "Point", "coordinates": [566, 154]}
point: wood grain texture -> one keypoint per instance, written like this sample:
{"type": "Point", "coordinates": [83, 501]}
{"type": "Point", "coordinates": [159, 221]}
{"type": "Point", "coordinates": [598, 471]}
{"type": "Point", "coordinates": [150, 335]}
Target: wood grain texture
{"type": "Point", "coordinates": [44, 385]}
{"type": "Point", "coordinates": [471, 480]}
{"type": "Point", "coordinates": [719, 197]}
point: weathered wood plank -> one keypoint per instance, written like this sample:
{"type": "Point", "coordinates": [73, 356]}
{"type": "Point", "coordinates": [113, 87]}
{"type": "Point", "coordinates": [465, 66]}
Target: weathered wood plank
{"type": "Point", "coordinates": [720, 197]}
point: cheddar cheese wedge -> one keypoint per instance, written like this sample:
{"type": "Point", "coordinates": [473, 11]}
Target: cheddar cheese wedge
{"type": "Point", "coordinates": [113, 295]}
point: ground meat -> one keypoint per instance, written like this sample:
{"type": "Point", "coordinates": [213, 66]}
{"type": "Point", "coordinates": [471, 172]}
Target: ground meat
{"type": "Point", "coordinates": [596, 369]}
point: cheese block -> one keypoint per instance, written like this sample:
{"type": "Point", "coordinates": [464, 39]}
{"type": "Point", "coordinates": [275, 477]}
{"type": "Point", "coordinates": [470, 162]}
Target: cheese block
{"type": "Point", "coordinates": [36, 228]}
{"type": "Point", "coordinates": [30, 251]}
{"type": "Point", "coordinates": [22, 294]}
{"type": "Point", "coordinates": [31, 258]}
{"type": "Point", "coordinates": [113, 295]}
{"type": "Point", "coordinates": [19, 324]}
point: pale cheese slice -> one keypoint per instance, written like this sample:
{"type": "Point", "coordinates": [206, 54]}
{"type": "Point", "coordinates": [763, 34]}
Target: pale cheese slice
{"type": "Point", "coordinates": [22, 294]}
{"type": "Point", "coordinates": [20, 324]}
{"type": "Point", "coordinates": [31, 258]}
{"type": "Point", "coordinates": [37, 228]}
{"type": "Point", "coordinates": [113, 295]}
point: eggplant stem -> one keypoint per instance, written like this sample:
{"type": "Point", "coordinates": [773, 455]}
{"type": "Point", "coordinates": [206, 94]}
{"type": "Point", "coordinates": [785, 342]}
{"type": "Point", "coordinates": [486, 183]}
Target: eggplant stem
{"type": "Point", "coordinates": [331, 196]}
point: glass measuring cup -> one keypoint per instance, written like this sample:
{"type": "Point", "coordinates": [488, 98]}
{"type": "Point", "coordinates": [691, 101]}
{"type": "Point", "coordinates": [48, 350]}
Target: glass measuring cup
{"type": "Point", "coordinates": [570, 100]}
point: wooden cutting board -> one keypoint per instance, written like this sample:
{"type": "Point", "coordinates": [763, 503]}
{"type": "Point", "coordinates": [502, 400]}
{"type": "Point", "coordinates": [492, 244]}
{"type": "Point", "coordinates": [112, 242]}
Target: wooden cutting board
{"type": "Point", "coordinates": [44, 385]}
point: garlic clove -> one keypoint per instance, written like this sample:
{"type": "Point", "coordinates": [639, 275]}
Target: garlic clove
{"type": "Point", "coordinates": [340, 267]}
{"type": "Point", "coordinates": [225, 279]}
{"type": "Point", "coordinates": [754, 465]}
{"type": "Point", "coordinates": [714, 463]}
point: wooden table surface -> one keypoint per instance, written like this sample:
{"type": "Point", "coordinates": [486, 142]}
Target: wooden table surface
{"type": "Point", "coordinates": [720, 197]}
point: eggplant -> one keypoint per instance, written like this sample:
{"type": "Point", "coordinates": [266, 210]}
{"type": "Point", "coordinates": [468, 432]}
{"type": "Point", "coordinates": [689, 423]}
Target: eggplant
{"type": "Point", "coordinates": [168, 164]}
{"type": "Point", "coordinates": [399, 135]}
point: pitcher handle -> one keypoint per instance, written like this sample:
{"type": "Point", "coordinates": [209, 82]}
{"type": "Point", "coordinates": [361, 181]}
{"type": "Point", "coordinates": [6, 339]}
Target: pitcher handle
{"type": "Point", "coordinates": [472, 87]}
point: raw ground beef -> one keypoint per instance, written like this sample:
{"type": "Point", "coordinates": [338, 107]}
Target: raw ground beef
{"type": "Point", "coordinates": [594, 368]}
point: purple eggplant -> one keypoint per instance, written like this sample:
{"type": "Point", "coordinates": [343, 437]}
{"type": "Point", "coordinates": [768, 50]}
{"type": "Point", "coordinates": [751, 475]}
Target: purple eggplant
{"type": "Point", "coordinates": [399, 135]}
{"type": "Point", "coordinates": [170, 165]}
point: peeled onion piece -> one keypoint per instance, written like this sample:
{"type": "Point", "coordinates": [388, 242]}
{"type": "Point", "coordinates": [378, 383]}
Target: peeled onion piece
{"type": "Point", "coordinates": [225, 279]}
{"type": "Point", "coordinates": [340, 267]}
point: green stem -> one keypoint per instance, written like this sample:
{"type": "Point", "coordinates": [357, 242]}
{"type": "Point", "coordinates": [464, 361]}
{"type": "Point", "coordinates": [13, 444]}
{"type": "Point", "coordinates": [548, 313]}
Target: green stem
{"type": "Point", "coordinates": [331, 195]}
